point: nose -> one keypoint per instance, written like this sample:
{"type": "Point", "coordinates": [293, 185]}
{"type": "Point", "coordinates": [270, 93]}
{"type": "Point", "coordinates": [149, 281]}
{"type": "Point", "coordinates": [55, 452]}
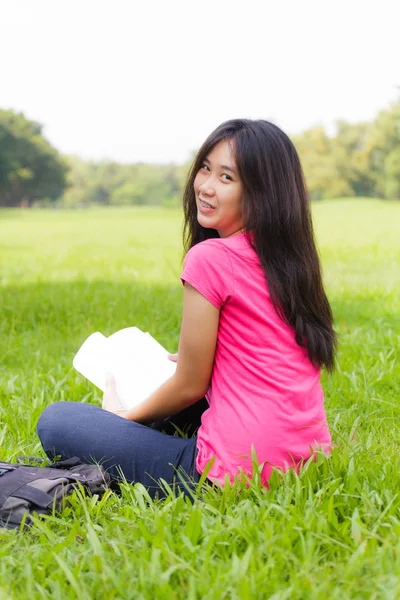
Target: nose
{"type": "Point", "coordinates": [206, 189]}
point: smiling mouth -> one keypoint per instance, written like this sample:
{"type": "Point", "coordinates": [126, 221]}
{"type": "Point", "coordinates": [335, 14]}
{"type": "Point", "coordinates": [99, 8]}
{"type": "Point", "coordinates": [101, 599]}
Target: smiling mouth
{"type": "Point", "coordinates": [205, 204]}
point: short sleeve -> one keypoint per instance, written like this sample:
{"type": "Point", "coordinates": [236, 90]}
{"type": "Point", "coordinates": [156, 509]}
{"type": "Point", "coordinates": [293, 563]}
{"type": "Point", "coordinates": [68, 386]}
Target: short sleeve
{"type": "Point", "coordinates": [207, 267]}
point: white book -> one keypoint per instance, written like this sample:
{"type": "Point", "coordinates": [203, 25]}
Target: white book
{"type": "Point", "coordinates": [138, 362]}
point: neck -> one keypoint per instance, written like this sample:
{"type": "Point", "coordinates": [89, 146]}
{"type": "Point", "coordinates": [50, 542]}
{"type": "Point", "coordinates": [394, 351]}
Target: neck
{"type": "Point", "coordinates": [233, 234]}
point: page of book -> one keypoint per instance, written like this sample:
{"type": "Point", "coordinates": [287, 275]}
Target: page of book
{"type": "Point", "coordinates": [138, 362]}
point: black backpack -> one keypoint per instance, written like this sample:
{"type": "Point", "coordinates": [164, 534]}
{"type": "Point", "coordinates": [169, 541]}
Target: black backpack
{"type": "Point", "coordinates": [26, 489]}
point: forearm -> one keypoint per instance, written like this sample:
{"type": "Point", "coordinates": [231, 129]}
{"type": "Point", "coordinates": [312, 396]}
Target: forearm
{"type": "Point", "coordinates": [170, 398]}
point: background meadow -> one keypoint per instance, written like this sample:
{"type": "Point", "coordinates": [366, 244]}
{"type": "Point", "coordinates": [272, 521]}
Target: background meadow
{"type": "Point", "coordinates": [332, 532]}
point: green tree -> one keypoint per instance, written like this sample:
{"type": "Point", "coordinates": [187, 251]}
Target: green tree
{"type": "Point", "coordinates": [317, 154]}
{"type": "Point", "coordinates": [129, 193]}
{"type": "Point", "coordinates": [384, 143]}
{"type": "Point", "coordinates": [148, 185]}
{"type": "Point", "coordinates": [362, 159]}
{"type": "Point", "coordinates": [351, 158]}
{"type": "Point", "coordinates": [30, 168]}
{"type": "Point", "coordinates": [392, 175]}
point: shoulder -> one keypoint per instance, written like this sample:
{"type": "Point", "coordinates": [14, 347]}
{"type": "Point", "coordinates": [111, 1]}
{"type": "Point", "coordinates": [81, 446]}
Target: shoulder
{"type": "Point", "coordinates": [213, 250]}
{"type": "Point", "coordinates": [209, 245]}
{"type": "Point", "coordinates": [232, 250]}
{"type": "Point", "coordinates": [208, 268]}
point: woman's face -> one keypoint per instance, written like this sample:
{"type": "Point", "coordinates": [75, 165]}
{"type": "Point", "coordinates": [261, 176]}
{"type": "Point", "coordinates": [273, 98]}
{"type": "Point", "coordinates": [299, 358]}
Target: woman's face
{"type": "Point", "coordinates": [218, 192]}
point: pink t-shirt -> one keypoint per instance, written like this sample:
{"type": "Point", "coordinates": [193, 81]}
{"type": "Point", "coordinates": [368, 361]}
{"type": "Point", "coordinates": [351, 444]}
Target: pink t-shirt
{"type": "Point", "coordinates": [264, 390]}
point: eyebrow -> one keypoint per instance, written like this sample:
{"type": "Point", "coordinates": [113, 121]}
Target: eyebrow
{"type": "Point", "coordinates": [226, 167]}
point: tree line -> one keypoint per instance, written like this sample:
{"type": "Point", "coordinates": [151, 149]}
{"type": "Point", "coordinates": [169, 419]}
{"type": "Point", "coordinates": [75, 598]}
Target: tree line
{"type": "Point", "coordinates": [361, 159]}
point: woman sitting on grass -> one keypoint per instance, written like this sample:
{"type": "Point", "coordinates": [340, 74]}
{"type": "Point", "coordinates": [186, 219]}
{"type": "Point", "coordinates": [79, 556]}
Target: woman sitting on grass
{"type": "Point", "coordinates": [256, 330]}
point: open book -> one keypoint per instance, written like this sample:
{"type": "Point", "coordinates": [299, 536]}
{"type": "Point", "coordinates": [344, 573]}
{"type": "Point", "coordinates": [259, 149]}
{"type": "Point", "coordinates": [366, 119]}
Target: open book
{"type": "Point", "coordinates": [138, 362]}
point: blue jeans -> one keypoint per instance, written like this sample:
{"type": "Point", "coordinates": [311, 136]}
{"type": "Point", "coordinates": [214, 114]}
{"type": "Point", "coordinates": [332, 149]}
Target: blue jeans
{"type": "Point", "coordinates": [127, 450]}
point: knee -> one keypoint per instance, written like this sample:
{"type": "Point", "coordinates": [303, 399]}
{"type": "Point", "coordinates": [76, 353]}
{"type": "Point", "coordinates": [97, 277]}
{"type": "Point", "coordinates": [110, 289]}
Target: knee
{"type": "Point", "coordinates": [51, 421]}
{"type": "Point", "coordinates": [56, 420]}
{"type": "Point", "coordinates": [63, 419]}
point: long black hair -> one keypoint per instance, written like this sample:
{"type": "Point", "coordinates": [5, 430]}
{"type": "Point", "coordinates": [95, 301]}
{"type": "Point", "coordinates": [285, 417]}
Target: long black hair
{"type": "Point", "coordinates": [276, 209]}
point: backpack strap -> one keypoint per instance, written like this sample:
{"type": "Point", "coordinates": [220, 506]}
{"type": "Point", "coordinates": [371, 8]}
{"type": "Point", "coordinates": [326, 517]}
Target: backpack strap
{"type": "Point", "coordinates": [34, 461]}
{"type": "Point", "coordinates": [67, 463]}
{"type": "Point", "coordinates": [32, 494]}
{"type": "Point", "coordinates": [4, 468]}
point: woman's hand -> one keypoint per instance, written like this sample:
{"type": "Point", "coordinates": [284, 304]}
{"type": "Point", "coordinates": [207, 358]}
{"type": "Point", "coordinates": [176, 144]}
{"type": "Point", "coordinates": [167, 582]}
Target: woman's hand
{"type": "Point", "coordinates": [110, 398]}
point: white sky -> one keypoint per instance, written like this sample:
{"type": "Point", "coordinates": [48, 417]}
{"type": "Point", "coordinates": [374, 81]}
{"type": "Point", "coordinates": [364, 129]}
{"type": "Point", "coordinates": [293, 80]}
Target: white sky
{"type": "Point", "coordinates": [149, 80]}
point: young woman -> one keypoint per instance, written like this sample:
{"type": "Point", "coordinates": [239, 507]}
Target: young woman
{"type": "Point", "coordinates": [256, 331]}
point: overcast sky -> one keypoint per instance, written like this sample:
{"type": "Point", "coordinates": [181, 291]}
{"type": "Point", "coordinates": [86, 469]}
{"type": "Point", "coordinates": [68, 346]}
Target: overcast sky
{"type": "Point", "coordinates": [149, 80]}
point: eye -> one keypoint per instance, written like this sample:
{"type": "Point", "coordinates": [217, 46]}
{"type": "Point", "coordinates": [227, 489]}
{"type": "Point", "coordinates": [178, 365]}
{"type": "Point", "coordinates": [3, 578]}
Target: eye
{"type": "Point", "coordinates": [204, 166]}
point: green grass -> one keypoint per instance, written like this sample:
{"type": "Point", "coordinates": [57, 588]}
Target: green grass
{"type": "Point", "coordinates": [332, 532]}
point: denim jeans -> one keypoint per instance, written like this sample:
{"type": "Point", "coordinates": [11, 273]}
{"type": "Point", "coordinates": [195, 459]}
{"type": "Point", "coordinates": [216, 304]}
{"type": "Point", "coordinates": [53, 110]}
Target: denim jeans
{"type": "Point", "coordinates": [127, 450]}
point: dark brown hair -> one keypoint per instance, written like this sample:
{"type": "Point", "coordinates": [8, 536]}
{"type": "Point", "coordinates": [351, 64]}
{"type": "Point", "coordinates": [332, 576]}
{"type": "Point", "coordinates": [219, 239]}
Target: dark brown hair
{"type": "Point", "coordinates": [276, 210]}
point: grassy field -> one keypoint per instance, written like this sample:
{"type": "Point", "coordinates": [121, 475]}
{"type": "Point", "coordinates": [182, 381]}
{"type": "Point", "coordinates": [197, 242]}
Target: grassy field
{"type": "Point", "coordinates": [332, 532]}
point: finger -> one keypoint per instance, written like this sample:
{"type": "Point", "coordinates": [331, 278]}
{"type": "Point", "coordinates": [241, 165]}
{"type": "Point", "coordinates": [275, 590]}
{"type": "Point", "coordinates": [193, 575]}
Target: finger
{"type": "Point", "coordinates": [110, 381]}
